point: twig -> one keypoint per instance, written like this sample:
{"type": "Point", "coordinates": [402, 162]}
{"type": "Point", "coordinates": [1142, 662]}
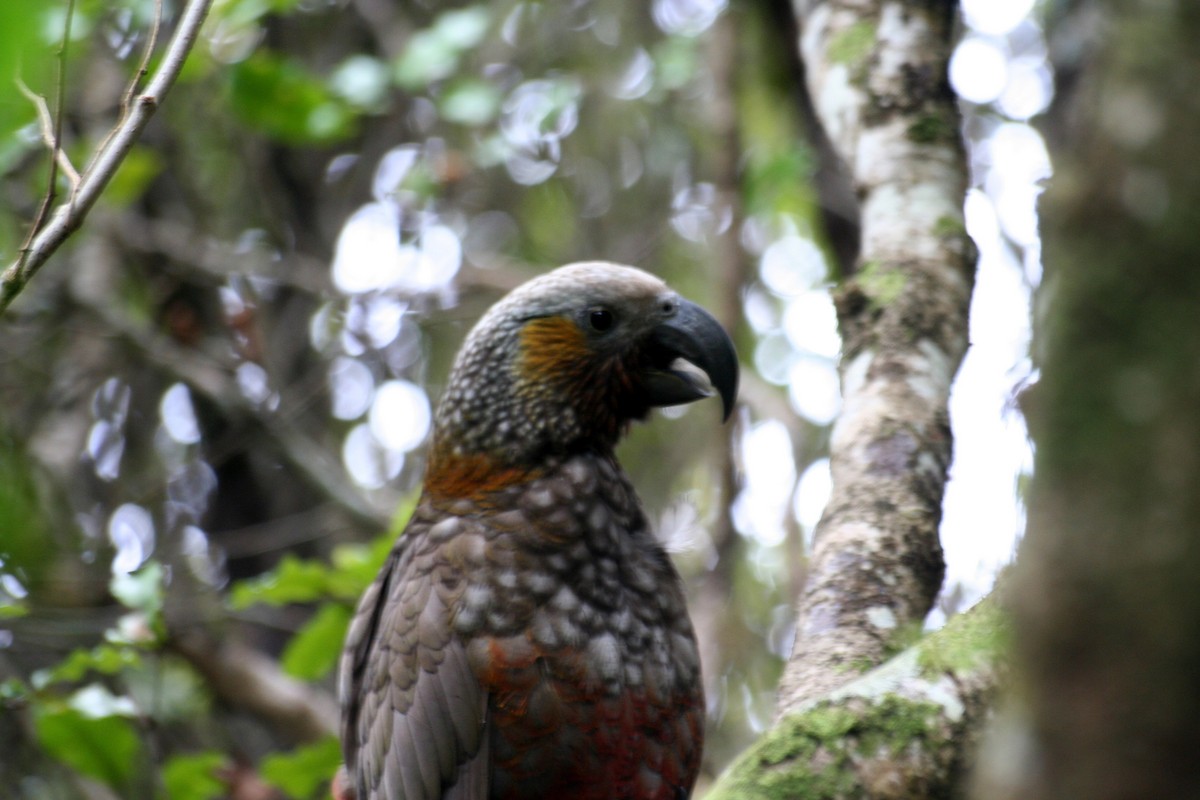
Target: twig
{"type": "Point", "coordinates": [55, 133]}
{"type": "Point", "coordinates": [46, 126]}
{"type": "Point", "coordinates": [144, 66]}
{"type": "Point", "coordinates": [70, 214]}
{"type": "Point", "coordinates": [60, 99]}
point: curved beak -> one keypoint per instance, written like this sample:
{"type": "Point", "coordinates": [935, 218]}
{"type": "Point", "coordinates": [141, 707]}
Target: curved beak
{"type": "Point", "coordinates": [694, 336]}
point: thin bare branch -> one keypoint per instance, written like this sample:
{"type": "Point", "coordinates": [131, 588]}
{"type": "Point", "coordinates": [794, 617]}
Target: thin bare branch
{"type": "Point", "coordinates": [46, 126]}
{"type": "Point", "coordinates": [55, 128]}
{"type": "Point", "coordinates": [60, 99]}
{"type": "Point", "coordinates": [144, 66]}
{"type": "Point", "coordinates": [69, 215]}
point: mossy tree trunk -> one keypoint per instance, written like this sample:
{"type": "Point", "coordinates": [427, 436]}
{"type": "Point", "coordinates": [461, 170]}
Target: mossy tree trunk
{"type": "Point", "coordinates": [876, 73]}
{"type": "Point", "coordinates": [1108, 596]}
{"type": "Point", "coordinates": [860, 715]}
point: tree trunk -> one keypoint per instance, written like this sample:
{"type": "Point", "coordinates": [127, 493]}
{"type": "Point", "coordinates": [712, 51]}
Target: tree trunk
{"type": "Point", "coordinates": [1107, 602]}
{"type": "Point", "coordinates": [877, 74]}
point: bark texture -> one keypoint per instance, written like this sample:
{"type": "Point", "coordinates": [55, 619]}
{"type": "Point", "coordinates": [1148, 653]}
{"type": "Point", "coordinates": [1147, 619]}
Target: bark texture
{"type": "Point", "coordinates": [904, 730]}
{"type": "Point", "coordinates": [1107, 600]}
{"type": "Point", "coordinates": [876, 72]}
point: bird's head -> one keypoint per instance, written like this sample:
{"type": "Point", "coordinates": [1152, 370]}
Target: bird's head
{"type": "Point", "coordinates": [567, 360]}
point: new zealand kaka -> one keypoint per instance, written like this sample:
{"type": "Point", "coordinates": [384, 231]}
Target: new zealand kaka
{"type": "Point", "coordinates": [527, 636]}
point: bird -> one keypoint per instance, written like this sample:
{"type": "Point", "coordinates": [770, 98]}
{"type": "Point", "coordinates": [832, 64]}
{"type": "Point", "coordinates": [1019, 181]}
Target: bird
{"type": "Point", "coordinates": [527, 635]}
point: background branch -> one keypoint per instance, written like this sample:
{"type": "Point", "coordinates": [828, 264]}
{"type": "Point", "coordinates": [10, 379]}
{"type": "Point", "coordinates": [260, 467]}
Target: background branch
{"type": "Point", "coordinates": [249, 680]}
{"type": "Point", "coordinates": [211, 378]}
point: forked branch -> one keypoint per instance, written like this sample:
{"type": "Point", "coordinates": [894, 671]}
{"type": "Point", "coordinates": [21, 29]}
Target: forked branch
{"type": "Point", "coordinates": [69, 215]}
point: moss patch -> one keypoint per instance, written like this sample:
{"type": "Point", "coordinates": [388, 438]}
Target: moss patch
{"type": "Point", "coordinates": [932, 128]}
{"type": "Point", "coordinates": [813, 755]}
{"type": "Point", "coordinates": [882, 286]}
{"type": "Point", "coordinates": [974, 637]}
{"type": "Point", "coordinates": [851, 45]}
{"type": "Point", "coordinates": [902, 638]}
{"type": "Point", "coordinates": [948, 226]}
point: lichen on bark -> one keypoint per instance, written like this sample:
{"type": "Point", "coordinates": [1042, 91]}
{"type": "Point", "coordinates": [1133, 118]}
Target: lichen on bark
{"type": "Point", "coordinates": [877, 562]}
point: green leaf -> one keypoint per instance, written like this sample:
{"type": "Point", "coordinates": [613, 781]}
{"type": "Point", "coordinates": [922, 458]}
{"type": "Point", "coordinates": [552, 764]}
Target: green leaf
{"type": "Point", "coordinates": [283, 100]}
{"type": "Point", "coordinates": [470, 102]}
{"type": "Point", "coordinates": [313, 652]}
{"type": "Point", "coordinates": [22, 54]}
{"type": "Point", "coordinates": [361, 81]}
{"type": "Point", "coordinates": [26, 547]}
{"type": "Point", "coordinates": [244, 12]}
{"type": "Point", "coordinates": [170, 690]}
{"type": "Point", "coordinates": [292, 581]}
{"type": "Point", "coordinates": [675, 60]}
{"type": "Point", "coordinates": [105, 659]}
{"type": "Point", "coordinates": [463, 28]}
{"type": "Point", "coordinates": [194, 777]}
{"type": "Point", "coordinates": [355, 566]}
{"type": "Point", "coordinates": [433, 54]}
{"type": "Point", "coordinates": [141, 590]}
{"type": "Point", "coordinates": [13, 689]}
{"type": "Point", "coordinates": [11, 609]}
{"type": "Point", "coordinates": [304, 771]}
{"type": "Point", "coordinates": [105, 748]}
{"type": "Point", "coordinates": [351, 569]}
{"type": "Point", "coordinates": [426, 59]}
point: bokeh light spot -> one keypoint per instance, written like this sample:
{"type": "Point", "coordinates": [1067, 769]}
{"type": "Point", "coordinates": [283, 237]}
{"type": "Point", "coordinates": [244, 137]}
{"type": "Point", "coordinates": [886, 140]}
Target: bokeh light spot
{"type": "Point", "coordinates": [978, 69]}
{"type": "Point", "coordinates": [131, 531]}
{"type": "Point", "coordinates": [179, 415]}
{"type": "Point", "coordinates": [400, 415]}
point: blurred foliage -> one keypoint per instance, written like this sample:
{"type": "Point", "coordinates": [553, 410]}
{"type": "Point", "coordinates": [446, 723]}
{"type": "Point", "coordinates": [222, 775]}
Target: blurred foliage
{"type": "Point", "coordinates": [435, 53]}
{"type": "Point", "coordinates": [76, 718]}
{"type": "Point", "coordinates": [213, 396]}
{"type": "Point", "coordinates": [313, 651]}
{"type": "Point", "coordinates": [304, 772]}
{"type": "Point", "coordinates": [25, 549]}
{"type": "Point", "coordinates": [18, 20]}
{"type": "Point", "coordinates": [97, 739]}
{"type": "Point", "coordinates": [194, 777]}
{"type": "Point", "coordinates": [303, 110]}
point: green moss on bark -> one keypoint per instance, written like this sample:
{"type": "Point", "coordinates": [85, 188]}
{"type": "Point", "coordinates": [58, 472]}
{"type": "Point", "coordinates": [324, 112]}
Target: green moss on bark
{"type": "Point", "coordinates": [973, 638]}
{"type": "Point", "coordinates": [817, 754]}
{"type": "Point", "coordinates": [932, 128]}
{"type": "Point", "coordinates": [882, 286]}
{"type": "Point", "coordinates": [851, 45]}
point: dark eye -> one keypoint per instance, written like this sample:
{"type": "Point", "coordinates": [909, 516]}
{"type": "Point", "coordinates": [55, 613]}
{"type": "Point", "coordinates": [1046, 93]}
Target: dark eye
{"type": "Point", "coordinates": [601, 319]}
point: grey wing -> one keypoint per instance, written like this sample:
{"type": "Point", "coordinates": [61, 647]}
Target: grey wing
{"type": "Point", "coordinates": [413, 713]}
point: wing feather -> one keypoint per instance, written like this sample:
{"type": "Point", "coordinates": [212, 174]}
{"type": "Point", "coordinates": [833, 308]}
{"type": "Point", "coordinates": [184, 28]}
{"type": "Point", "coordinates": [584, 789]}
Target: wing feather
{"type": "Point", "coordinates": [413, 713]}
